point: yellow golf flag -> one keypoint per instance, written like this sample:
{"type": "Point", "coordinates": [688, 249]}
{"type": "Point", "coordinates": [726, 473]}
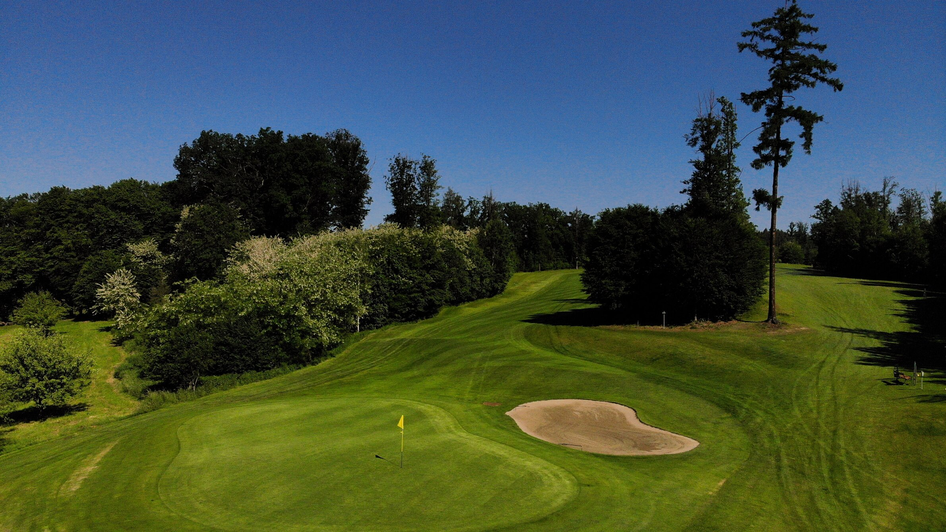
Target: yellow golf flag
{"type": "Point", "coordinates": [400, 424]}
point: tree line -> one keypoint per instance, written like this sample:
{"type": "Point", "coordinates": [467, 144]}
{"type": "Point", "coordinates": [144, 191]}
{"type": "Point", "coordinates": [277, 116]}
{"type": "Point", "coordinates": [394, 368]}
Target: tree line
{"type": "Point", "coordinates": [542, 237]}
{"type": "Point", "coordinates": [892, 233]}
{"type": "Point", "coordinates": [228, 188]}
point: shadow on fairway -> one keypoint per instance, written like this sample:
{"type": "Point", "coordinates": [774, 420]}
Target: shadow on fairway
{"type": "Point", "coordinates": [33, 413]}
{"type": "Point", "coordinates": [925, 344]}
{"type": "Point", "coordinates": [938, 398]}
{"type": "Point", "coordinates": [589, 317]}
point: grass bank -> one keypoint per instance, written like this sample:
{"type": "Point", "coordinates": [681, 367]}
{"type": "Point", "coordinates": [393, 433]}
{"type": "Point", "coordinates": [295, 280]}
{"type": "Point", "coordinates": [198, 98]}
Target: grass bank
{"type": "Point", "coordinates": [800, 428]}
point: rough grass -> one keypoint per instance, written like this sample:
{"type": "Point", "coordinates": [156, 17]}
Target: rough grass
{"type": "Point", "coordinates": [799, 429]}
{"type": "Point", "coordinates": [23, 424]}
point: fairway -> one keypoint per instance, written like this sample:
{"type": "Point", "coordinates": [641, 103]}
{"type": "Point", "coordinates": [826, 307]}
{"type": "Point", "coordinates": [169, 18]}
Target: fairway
{"type": "Point", "coordinates": [796, 430]}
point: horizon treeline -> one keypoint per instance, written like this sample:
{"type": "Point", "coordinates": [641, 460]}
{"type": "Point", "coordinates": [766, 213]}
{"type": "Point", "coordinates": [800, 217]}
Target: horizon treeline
{"type": "Point", "coordinates": [230, 188]}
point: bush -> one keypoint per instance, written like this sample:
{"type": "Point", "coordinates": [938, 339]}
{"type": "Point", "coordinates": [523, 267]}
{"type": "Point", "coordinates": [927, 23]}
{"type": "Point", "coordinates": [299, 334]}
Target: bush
{"type": "Point", "coordinates": [42, 369]}
{"type": "Point", "coordinates": [791, 253]}
{"type": "Point", "coordinates": [38, 310]}
{"type": "Point", "coordinates": [282, 303]}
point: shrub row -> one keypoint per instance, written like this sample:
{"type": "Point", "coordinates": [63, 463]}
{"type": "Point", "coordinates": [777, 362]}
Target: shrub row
{"type": "Point", "coordinates": [290, 302]}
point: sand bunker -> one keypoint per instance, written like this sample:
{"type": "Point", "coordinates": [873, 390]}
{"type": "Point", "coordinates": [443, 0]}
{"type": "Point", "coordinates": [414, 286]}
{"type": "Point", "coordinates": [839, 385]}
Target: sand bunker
{"type": "Point", "coordinates": [596, 427]}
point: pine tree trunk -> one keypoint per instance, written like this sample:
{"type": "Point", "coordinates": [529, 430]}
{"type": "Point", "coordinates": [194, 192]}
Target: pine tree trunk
{"type": "Point", "coordinates": [773, 318]}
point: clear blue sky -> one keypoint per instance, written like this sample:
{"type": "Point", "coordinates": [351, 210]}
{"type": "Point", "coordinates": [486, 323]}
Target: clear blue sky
{"type": "Point", "coordinates": [574, 104]}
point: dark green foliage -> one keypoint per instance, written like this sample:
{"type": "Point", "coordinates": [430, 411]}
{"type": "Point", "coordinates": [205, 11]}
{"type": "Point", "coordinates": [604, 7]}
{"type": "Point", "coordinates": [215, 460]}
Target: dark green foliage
{"type": "Point", "coordinates": [282, 303]}
{"type": "Point", "coordinates": [791, 252]}
{"type": "Point", "coordinates": [495, 240]}
{"type": "Point", "coordinates": [454, 210]}
{"type": "Point", "coordinates": [351, 188]}
{"type": "Point", "coordinates": [41, 368]}
{"type": "Point", "coordinates": [39, 311]}
{"type": "Point", "coordinates": [714, 186]}
{"type": "Point", "coordinates": [415, 273]}
{"type": "Point", "coordinates": [48, 240]}
{"type": "Point", "coordinates": [544, 237]}
{"type": "Point", "coordinates": [643, 262]}
{"type": "Point", "coordinates": [699, 261]}
{"type": "Point", "coordinates": [92, 274]}
{"type": "Point", "coordinates": [622, 259]}
{"type": "Point", "coordinates": [865, 236]}
{"type": "Point", "coordinates": [203, 239]}
{"type": "Point", "coordinates": [936, 239]}
{"type": "Point", "coordinates": [414, 187]}
{"type": "Point", "coordinates": [794, 65]}
{"type": "Point", "coordinates": [205, 331]}
{"type": "Point", "coordinates": [281, 185]}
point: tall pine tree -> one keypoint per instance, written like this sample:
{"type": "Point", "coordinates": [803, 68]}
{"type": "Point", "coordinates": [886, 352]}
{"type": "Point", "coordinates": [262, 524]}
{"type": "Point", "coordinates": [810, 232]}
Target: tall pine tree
{"type": "Point", "coordinates": [781, 40]}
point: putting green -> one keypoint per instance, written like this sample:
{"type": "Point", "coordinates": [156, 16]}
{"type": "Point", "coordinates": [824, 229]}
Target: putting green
{"type": "Point", "coordinates": [306, 463]}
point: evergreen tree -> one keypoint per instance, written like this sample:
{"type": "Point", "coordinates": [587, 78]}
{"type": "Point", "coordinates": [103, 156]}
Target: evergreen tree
{"type": "Point", "coordinates": [794, 65]}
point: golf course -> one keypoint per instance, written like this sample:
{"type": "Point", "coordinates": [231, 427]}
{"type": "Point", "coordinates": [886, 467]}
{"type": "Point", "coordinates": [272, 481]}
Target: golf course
{"type": "Point", "coordinates": [799, 427]}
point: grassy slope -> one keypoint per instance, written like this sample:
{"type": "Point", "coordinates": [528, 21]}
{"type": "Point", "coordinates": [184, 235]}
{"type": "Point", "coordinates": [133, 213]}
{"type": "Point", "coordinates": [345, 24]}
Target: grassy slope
{"type": "Point", "coordinates": [794, 433]}
{"type": "Point", "coordinates": [99, 403]}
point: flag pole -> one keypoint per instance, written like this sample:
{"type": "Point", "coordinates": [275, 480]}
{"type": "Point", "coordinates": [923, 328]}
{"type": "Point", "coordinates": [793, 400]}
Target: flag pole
{"type": "Point", "coordinates": [400, 424]}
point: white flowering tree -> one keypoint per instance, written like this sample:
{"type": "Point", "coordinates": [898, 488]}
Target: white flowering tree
{"type": "Point", "coordinates": [119, 296]}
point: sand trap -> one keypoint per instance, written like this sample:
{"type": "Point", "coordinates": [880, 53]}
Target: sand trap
{"type": "Point", "coordinates": [596, 427]}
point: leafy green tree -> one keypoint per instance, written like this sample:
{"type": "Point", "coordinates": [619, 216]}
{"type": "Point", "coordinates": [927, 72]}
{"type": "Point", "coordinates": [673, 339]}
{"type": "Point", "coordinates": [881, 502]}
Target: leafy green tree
{"type": "Point", "coordinates": [936, 237]}
{"type": "Point", "coordinates": [351, 190]}
{"type": "Point", "coordinates": [714, 186]}
{"type": "Point", "coordinates": [401, 182]}
{"type": "Point", "coordinates": [791, 252]}
{"type": "Point", "coordinates": [454, 209]}
{"type": "Point", "coordinates": [149, 266]}
{"type": "Point", "coordinates": [42, 369]}
{"type": "Point", "coordinates": [93, 272]}
{"type": "Point", "coordinates": [781, 40]}
{"type": "Point", "coordinates": [428, 185]}
{"type": "Point", "coordinates": [203, 239]}
{"type": "Point", "coordinates": [40, 311]}
{"type": "Point", "coordinates": [414, 187]}
{"type": "Point", "coordinates": [495, 239]}
{"type": "Point", "coordinates": [624, 260]}
{"type": "Point", "coordinates": [580, 226]}
{"type": "Point", "coordinates": [280, 185]}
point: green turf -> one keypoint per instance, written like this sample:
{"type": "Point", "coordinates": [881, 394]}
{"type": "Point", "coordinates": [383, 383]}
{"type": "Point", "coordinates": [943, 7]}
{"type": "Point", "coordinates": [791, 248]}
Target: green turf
{"type": "Point", "coordinates": [101, 402]}
{"type": "Point", "coordinates": [796, 432]}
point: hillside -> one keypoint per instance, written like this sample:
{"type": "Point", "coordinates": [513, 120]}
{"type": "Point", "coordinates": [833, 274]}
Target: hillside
{"type": "Point", "coordinates": [799, 427]}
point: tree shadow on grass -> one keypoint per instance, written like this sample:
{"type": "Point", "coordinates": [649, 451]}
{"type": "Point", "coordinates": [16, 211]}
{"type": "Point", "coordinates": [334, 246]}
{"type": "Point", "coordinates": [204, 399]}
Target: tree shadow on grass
{"type": "Point", "coordinates": [924, 345]}
{"type": "Point", "coordinates": [594, 316]}
{"type": "Point", "coordinates": [34, 413]}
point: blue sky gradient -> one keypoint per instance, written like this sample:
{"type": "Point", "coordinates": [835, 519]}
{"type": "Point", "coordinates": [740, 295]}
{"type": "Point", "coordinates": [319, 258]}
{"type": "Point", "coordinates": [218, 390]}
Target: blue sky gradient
{"type": "Point", "coordinates": [566, 103]}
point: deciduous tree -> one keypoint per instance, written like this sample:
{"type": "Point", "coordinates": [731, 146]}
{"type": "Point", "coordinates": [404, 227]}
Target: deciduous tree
{"type": "Point", "coordinates": [42, 369]}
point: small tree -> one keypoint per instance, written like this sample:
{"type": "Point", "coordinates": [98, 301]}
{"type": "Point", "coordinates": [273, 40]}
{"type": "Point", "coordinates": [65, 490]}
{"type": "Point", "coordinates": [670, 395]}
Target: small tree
{"type": "Point", "coordinates": [40, 311]}
{"type": "Point", "coordinates": [39, 368]}
{"type": "Point", "coordinates": [792, 68]}
{"type": "Point", "coordinates": [118, 295]}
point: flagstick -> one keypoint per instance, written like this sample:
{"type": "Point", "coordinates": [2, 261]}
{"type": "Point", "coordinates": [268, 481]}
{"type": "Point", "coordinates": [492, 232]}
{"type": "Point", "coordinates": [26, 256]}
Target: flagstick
{"type": "Point", "coordinates": [402, 448]}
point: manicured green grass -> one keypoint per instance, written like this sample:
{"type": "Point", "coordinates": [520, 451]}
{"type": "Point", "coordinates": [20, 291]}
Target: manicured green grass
{"type": "Point", "coordinates": [796, 431]}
